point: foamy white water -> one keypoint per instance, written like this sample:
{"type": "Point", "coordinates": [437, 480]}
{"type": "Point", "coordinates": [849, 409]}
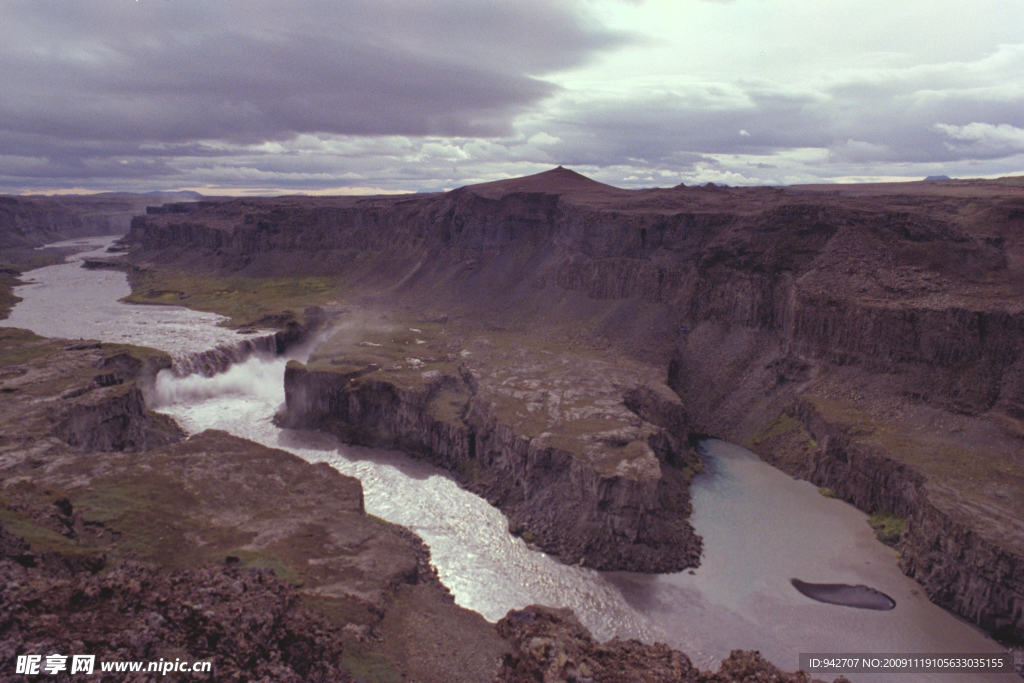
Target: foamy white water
{"type": "Point", "coordinates": [761, 527]}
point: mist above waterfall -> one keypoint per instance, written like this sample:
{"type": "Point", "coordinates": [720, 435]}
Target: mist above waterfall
{"type": "Point", "coordinates": [257, 377]}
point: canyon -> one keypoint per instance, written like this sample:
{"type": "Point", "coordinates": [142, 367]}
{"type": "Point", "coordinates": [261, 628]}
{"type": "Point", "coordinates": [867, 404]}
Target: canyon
{"type": "Point", "coordinates": [123, 536]}
{"type": "Point", "coordinates": [867, 338]}
{"type": "Point", "coordinates": [559, 346]}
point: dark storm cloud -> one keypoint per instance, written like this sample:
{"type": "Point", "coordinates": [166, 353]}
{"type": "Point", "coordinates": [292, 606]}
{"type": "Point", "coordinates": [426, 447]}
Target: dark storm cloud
{"type": "Point", "coordinates": [107, 75]}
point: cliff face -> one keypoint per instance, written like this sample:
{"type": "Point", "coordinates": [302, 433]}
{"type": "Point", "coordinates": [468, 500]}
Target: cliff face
{"type": "Point", "coordinates": [893, 311]}
{"type": "Point", "coordinates": [891, 283]}
{"type": "Point", "coordinates": [35, 221]}
{"type": "Point", "coordinates": [583, 468]}
{"type": "Point", "coordinates": [86, 396]}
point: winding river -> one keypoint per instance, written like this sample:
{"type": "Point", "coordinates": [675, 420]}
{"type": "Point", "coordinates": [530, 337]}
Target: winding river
{"type": "Point", "coordinates": [761, 528]}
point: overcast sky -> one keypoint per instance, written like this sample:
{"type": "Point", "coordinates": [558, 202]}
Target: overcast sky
{"type": "Point", "coordinates": [358, 96]}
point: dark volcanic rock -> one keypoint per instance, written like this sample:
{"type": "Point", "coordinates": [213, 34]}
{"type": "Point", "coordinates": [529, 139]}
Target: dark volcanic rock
{"type": "Point", "coordinates": [247, 623]}
{"type": "Point", "coordinates": [551, 645]}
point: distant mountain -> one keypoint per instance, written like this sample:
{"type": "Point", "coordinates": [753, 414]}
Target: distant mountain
{"type": "Point", "coordinates": [179, 196]}
{"type": "Point", "coordinates": [560, 181]}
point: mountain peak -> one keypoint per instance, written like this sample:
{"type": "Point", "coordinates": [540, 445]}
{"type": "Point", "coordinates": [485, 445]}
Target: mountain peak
{"type": "Point", "coordinates": [560, 181]}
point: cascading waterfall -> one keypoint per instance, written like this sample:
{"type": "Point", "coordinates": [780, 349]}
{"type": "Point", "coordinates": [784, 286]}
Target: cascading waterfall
{"type": "Point", "coordinates": [259, 375]}
{"type": "Point", "coordinates": [222, 358]}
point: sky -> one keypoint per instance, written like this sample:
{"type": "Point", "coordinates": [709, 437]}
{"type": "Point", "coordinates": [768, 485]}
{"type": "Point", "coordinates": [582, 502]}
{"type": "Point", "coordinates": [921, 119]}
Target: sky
{"type": "Point", "coordinates": [374, 96]}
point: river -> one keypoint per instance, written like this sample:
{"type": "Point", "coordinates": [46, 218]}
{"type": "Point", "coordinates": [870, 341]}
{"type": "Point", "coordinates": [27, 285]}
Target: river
{"type": "Point", "coordinates": [760, 527]}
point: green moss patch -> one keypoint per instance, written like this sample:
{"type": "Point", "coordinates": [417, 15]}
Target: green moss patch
{"type": "Point", "coordinates": [146, 510]}
{"type": "Point", "coordinates": [243, 300]}
{"type": "Point", "coordinates": [369, 667]}
{"type": "Point", "coordinates": [18, 346]}
{"type": "Point", "coordinates": [784, 425]}
{"type": "Point", "coordinates": [248, 559]}
{"type": "Point", "coordinates": [888, 528]}
{"type": "Point", "coordinates": [8, 282]}
{"type": "Point", "coordinates": [41, 538]}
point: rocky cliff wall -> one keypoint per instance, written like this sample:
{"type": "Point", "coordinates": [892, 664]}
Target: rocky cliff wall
{"type": "Point", "coordinates": [115, 420]}
{"type": "Point", "coordinates": [846, 284]}
{"type": "Point", "coordinates": [969, 558]}
{"type": "Point", "coordinates": [616, 520]}
{"type": "Point", "coordinates": [35, 221]}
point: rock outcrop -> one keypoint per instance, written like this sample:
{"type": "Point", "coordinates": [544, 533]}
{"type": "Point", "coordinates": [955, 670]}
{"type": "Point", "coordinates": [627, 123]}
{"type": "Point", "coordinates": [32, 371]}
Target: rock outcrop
{"type": "Point", "coordinates": [86, 395]}
{"type": "Point", "coordinates": [585, 457]}
{"type": "Point", "coordinates": [292, 334]}
{"type": "Point", "coordinates": [551, 645]}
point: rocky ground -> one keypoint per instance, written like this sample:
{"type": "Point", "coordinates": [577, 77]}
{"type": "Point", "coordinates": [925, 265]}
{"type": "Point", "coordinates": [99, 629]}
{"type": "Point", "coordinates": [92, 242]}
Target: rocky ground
{"type": "Point", "coordinates": [550, 645]}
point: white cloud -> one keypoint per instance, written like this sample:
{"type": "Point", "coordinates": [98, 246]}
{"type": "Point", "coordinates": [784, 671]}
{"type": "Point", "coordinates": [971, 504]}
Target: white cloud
{"type": "Point", "coordinates": [1001, 137]}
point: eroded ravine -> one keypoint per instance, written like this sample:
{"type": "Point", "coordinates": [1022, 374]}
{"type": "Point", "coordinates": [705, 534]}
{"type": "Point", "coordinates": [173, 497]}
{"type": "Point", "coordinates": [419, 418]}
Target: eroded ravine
{"type": "Point", "coordinates": [759, 527]}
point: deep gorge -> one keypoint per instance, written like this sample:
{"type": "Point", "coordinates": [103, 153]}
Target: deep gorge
{"type": "Point", "coordinates": [848, 313]}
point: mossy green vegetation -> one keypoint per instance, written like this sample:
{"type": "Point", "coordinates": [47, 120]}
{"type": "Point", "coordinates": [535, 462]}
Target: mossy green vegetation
{"type": "Point", "coordinates": [18, 346]}
{"type": "Point", "coordinates": [827, 492]}
{"type": "Point", "coordinates": [888, 527]}
{"type": "Point", "coordinates": [144, 509]}
{"type": "Point", "coordinates": [784, 425]}
{"type": "Point", "coordinates": [40, 538]}
{"type": "Point", "coordinates": [243, 300]}
{"type": "Point", "coordinates": [691, 469]}
{"type": "Point", "coordinates": [8, 281]}
{"type": "Point", "coordinates": [976, 467]}
{"type": "Point", "coordinates": [780, 425]}
{"type": "Point", "coordinates": [249, 559]}
{"type": "Point", "coordinates": [367, 666]}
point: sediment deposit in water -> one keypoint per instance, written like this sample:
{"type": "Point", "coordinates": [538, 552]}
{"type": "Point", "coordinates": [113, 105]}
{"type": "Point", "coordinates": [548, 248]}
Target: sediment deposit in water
{"type": "Point", "coordinates": [868, 338]}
